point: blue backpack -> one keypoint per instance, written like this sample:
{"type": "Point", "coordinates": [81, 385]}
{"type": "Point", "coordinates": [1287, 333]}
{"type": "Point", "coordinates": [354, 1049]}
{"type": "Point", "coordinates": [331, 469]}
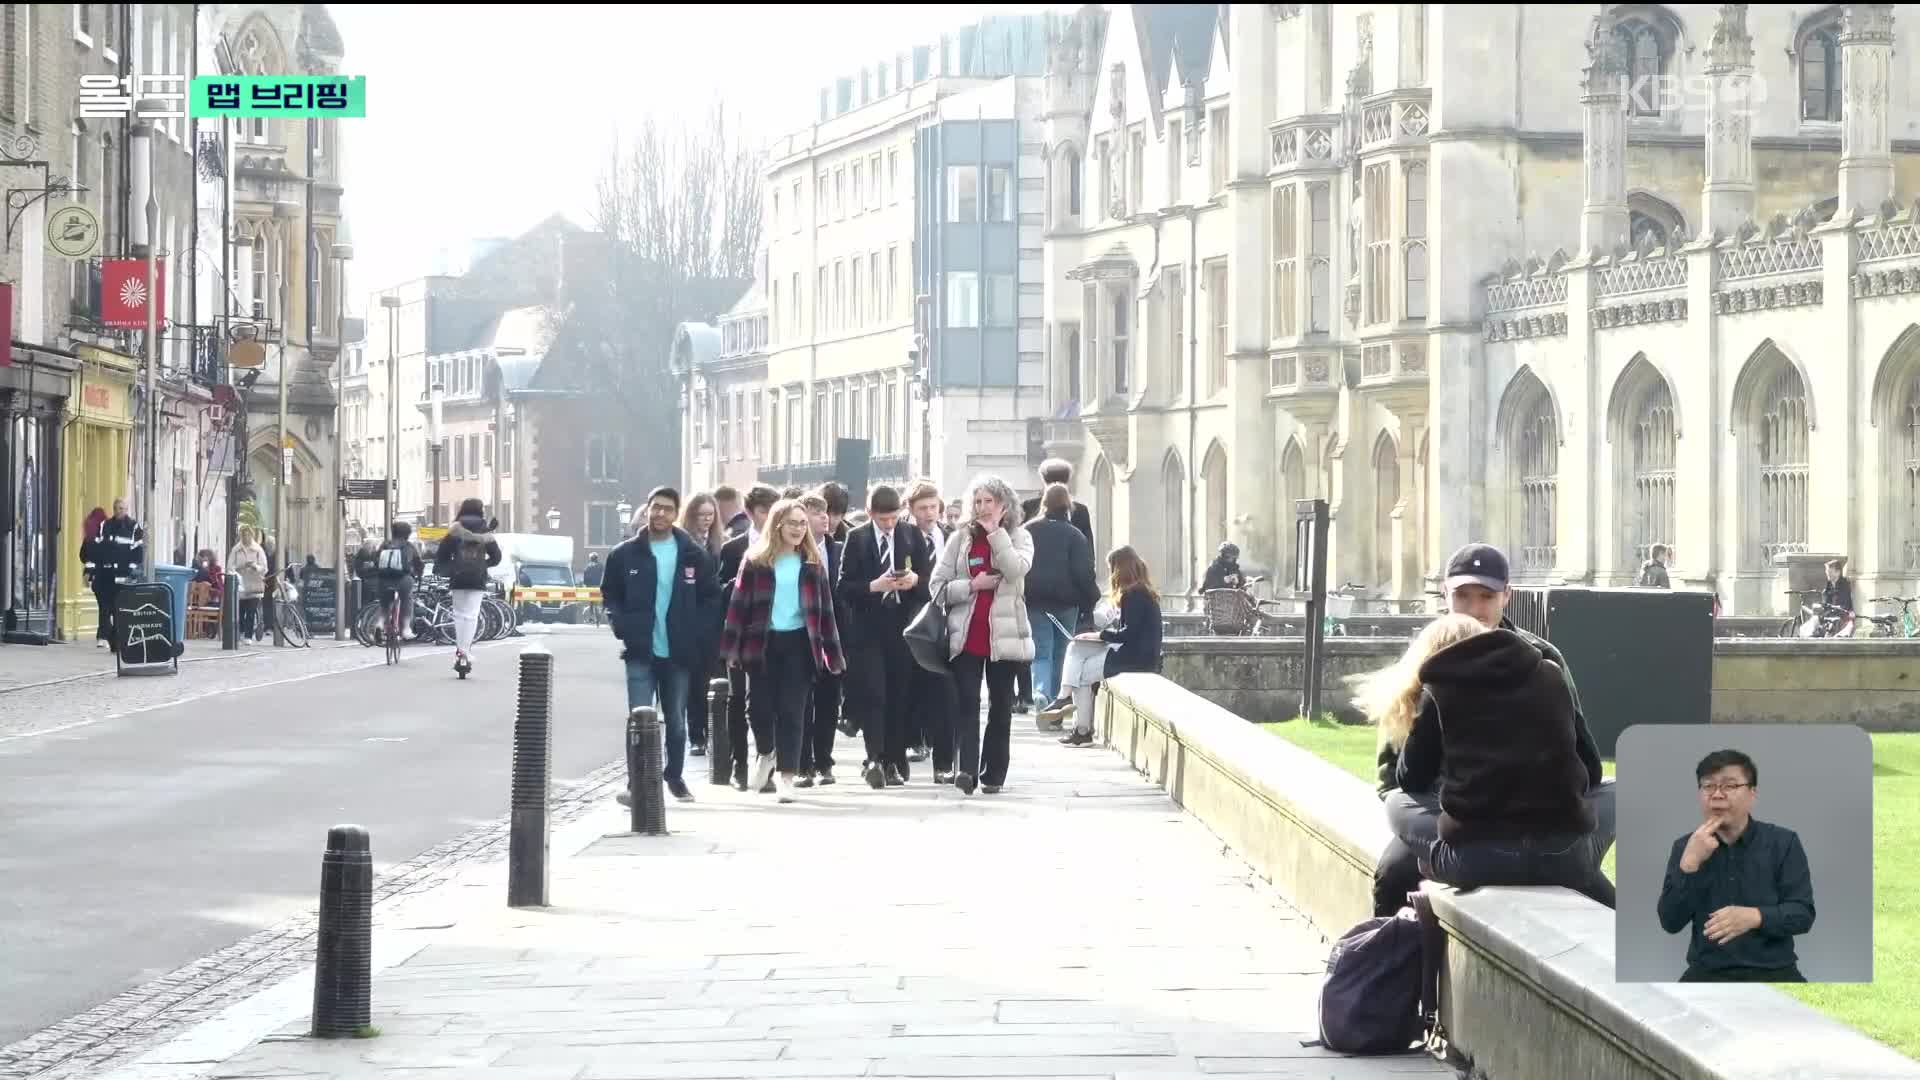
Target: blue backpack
{"type": "Point", "coordinates": [1382, 988]}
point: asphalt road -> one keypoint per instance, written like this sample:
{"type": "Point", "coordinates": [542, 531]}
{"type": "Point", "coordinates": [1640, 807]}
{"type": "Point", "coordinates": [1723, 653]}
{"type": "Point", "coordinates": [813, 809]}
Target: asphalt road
{"type": "Point", "coordinates": [137, 844]}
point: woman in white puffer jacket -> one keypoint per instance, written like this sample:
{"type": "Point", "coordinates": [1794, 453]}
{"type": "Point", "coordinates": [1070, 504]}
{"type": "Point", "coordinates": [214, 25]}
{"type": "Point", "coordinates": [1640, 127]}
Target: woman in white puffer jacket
{"type": "Point", "coordinates": [986, 559]}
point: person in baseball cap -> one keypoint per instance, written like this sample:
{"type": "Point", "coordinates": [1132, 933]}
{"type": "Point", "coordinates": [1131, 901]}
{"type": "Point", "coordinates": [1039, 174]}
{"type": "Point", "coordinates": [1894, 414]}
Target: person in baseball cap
{"type": "Point", "coordinates": [1477, 583]}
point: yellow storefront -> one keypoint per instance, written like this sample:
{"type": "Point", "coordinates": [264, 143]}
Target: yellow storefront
{"type": "Point", "coordinates": [94, 470]}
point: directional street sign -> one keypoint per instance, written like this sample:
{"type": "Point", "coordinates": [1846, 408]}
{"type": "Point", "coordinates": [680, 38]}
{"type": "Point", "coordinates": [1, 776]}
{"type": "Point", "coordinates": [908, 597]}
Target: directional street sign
{"type": "Point", "coordinates": [369, 490]}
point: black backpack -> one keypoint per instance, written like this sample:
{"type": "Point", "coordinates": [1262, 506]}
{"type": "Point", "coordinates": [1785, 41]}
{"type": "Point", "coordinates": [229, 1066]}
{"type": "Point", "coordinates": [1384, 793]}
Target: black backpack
{"type": "Point", "coordinates": [1382, 988]}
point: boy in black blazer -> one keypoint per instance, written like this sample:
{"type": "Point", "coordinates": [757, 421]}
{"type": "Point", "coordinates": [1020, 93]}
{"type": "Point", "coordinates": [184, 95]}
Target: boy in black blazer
{"type": "Point", "coordinates": [883, 584]}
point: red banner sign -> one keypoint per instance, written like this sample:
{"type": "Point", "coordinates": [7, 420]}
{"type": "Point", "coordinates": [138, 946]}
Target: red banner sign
{"type": "Point", "coordinates": [123, 293]}
{"type": "Point", "coordinates": [6, 324]}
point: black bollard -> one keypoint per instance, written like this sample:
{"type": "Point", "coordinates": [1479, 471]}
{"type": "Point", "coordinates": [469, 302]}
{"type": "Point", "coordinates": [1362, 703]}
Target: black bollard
{"type": "Point", "coordinates": [527, 837]}
{"type": "Point", "coordinates": [719, 749]}
{"type": "Point", "coordinates": [230, 614]}
{"type": "Point", "coordinates": [645, 760]}
{"type": "Point", "coordinates": [343, 972]}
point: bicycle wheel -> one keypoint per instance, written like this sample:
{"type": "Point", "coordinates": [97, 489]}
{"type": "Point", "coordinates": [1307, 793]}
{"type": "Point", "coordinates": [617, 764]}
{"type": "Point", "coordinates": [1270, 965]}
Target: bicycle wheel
{"type": "Point", "coordinates": [391, 630]}
{"type": "Point", "coordinates": [488, 626]}
{"type": "Point", "coordinates": [367, 624]}
{"type": "Point", "coordinates": [503, 612]}
{"type": "Point", "coordinates": [293, 625]}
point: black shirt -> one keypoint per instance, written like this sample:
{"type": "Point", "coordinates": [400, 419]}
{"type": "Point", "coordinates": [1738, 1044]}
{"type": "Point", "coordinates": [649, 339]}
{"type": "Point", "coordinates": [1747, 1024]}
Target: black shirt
{"type": "Point", "coordinates": [1766, 869]}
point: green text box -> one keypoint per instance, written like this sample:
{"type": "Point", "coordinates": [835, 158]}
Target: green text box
{"type": "Point", "coordinates": [280, 95]}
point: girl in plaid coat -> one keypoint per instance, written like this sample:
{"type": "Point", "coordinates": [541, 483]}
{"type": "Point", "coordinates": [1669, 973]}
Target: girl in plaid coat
{"type": "Point", "coordinates": [780, 628]}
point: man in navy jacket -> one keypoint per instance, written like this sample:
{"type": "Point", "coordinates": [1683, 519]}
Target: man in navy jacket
{"type": "Point", "coordinates": [653, 591]}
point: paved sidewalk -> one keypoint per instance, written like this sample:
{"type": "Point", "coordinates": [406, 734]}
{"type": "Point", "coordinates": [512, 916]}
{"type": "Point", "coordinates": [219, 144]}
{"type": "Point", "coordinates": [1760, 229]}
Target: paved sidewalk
{"type": "Point", "coordinates": [1076, 925]}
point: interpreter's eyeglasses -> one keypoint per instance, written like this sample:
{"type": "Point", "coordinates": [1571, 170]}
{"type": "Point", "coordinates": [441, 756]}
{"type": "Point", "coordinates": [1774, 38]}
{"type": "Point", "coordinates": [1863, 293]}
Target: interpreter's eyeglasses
{"type": "Point", "coordinates": [1722, 789]}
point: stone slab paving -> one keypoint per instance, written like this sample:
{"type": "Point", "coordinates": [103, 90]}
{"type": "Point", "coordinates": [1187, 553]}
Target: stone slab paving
{"type": "Point", "coordinates": [1076, 925]}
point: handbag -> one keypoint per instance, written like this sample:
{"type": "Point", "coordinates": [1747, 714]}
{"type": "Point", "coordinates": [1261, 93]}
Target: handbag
{"type": "Point", "coordinates": [926, 637]}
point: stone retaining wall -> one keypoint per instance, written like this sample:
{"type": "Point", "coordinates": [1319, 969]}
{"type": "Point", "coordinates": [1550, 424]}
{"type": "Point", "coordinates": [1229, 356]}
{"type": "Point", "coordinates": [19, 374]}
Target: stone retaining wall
{"type": "Point", "coordinates": [1873, 682]}
{"type": "Point", "coordinates": [1527, 990]}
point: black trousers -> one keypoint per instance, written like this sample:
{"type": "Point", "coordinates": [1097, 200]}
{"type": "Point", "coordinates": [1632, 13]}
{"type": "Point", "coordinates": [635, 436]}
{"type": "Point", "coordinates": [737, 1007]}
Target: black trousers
{"type": "Point", "coordinates": [816, 748]}
{"type": "Point", "coordinates": [737, 720]}
{"type": "Point", "coordinates": [1543, 859]}
{"type": "Point", "coordinates": [984, 756]}
{"type": "Point", "coordinates": [104, 590]}
{"type": "Point", "coordinates": [933, 708]}
{"type": "Point", "coordinates": [249, 617]}
{"type": "Point", "coordinates": [1415, 822]}
{"type": "Point", "coordinates": [1788, 974]}
{"type": "Point", "coordinates": [782, 689]}
{"type": "Point", "coordinates": [698, 674]}
{"type": "Point", "coordinates": [1023, 685]}
{"type": "Point", "coordinates": [884, 671]}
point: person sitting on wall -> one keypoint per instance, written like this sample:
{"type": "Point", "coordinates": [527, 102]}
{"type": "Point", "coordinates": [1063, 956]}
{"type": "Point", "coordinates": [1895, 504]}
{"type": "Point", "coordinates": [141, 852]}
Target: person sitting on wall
{"type": "Point", "coordinates": [1476, 584]}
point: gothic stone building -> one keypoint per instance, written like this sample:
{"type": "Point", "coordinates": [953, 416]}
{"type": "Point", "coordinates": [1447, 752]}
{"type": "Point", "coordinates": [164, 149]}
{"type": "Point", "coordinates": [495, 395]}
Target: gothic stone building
{"type": "Point", "coordinates": [1577, 302]}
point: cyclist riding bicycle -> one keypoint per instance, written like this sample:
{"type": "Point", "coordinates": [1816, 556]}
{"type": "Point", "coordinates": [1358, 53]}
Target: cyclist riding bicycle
{"type": "Point", "coordinates": [398, 566]}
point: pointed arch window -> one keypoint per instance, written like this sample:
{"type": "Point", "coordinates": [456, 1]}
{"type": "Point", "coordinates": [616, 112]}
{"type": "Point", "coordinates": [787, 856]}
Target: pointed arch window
{"type": "Point", "coordinates": [1820, 73]}
{"type": "Point", "coordinates": [1648, 50]}
{"type": "Point", "coordinates": [1536, 483]}
{"type": "Point", "coordinates": [1386, 496]}
{"type": "Point", "coordinates": [1779, 467]}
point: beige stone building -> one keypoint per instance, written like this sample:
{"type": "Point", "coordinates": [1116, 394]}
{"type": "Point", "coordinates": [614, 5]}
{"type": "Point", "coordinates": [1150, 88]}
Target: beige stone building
{"type": "Point", "coordinates": [1578, 302]}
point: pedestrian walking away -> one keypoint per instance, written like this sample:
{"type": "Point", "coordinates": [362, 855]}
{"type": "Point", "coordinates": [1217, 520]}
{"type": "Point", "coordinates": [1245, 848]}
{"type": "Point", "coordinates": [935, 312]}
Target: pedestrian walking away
{"type": "Point", "coordinates": [116, 553]}
{"type": "Point", "coordinates": [883, 584]}
{"type": "Point", "coordinates": [1060, 587]}
{"type": "Point", "coordinates": [656, 587]}
{"type": "Point", "coordinates": [759, 502]}
{"type": "Point", "coordinates": [780, 628]}
{"type": "Point", "coordinates": [701, 520]}
{"type": "Point", "coordinates": [465, 556]}
{"type": "Point", "coordinates": [982, 577]}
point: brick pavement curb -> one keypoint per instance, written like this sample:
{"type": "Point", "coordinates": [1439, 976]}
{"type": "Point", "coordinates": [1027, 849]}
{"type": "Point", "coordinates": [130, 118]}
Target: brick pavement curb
{"type": "Point", "coordinates": [237, 654]}
{"type": "Point", "coordinates": [237, 996]}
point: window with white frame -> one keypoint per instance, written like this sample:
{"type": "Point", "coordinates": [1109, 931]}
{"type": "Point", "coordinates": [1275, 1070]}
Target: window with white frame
{"type": "Point", "coordinates": [856, 297]}
{"type": "Point", "coordinates": [794, 224]}
{"type": "Point", "coordinates": [840, 193]}
{"type": "Point", "coordinates": [1103, 162]}
{"type": "Point", "coordinates": [773, 311]}
{"type": "Point", "coordinates": [963, 299]}
{"type": "Point", "coordinates": [1319, 257]}
{"type": "Point", "coordinates": [873, 412]}
{"type": "Point", "coordinates": [1220, 159]}
{"type": "Point", "coordinates": [753, 443]}
{"type": "Point", "coordinates": [873, 181]}
{"type": "Point", "coordinates": [796, 429]}
{"type": "Point", "coordinates": [839, 316]}
{"type": "Point", "coordinates": [859, 188]}
{"type": "Point", "coordinates": [1137, 169]}
{"type": "Point", "coordinates": [874, 282]}
{"type": "Point", "coordinates": [1821, 96]}
{"type": "Point", "coordinates": [822, 301]}
{"type": "Point", "coordinates": [773, 213]}
{"type": "Point", "coordinates": [1173, 306]}
{"type": "Point", "coordinates": [1286, 254]}
{"type": "Point", "coordinates": [604, 454]}
{"type": "Point", "coordinates": [963, 193]}
{"type": "Point", "coordinates": [723, 445]}
{"type": "Point", "coordinates": [1217, 344]}
{"type": "Point", "coordinates": [774, 447]}
{"type": "Point", "coordinates": [604, 527]}
{"type": "Point", "coordinates": [1120, 296]}
{"type": "Point", "coordinates": [1379, 186]}
{"type": "Point", "coordinates": [838, 419]}
{"type": "Point", "coordinates": [820, 433]}
{"type": "Point", "coordinates": [1175, 162]}
{"type": "Point", "coordinates": [886, 417]}
{"type": "Point", "coordinates": [1415, 287]}
{"type": "Point", "coordinates": [999, 194]}
{"type": "Point", "coordinates": [893, 176]}
{"type": "Point", "coordinates": [821, 190]}
{"type": "Point", "coordinates": [699, 420]}
{"type": "Point", "coordinates": [893, 280]}
{"type": "Point", "coordinates": [1648, 51]}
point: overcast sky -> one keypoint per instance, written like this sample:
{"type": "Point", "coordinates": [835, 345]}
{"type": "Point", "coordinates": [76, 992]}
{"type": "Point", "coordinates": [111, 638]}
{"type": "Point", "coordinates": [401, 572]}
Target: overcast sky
{"type": "Point", "coordinates": [483, 120]}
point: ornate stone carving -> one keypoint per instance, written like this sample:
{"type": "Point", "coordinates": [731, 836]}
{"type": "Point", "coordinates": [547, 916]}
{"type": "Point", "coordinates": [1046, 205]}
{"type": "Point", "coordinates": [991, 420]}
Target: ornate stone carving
{"type": "Point", "coordinates": [1545, 324]}
{"type": "Point", "coordinates": [1668, 309]}
{"type": "Point", "coordinates": [1413, 359]}
{"type": "Point", "coordinates": [1067, 45]}
{"type": "Point", "coordinates": [1286, 147]}
{"type": "Point", "coordinates": [1606, 70]}
{"type": "Point", "coordinates": [1319, 144]}
{"type": "Point", "coordinates": [1732, 47]}
{"type": "Point", "coordinates": [1898, 281]}
{"type": "Point", "coordinates": [1117, 93]}
{"type": "Point", "coordinates": [1315, 368]}
{"type": "Point", "coordinates": [1360, 79]}
{"type": "Point", "coordinates": [1285, 11]}
{"type": "Point", "coordinates": [1765, 297]}
{"type": "Point", "coordinates": [1866, 23]}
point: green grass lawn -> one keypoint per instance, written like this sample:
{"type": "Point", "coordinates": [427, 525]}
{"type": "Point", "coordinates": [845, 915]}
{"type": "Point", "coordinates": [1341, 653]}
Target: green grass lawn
{"type": "Point", "coordinates": [1887, 1008]}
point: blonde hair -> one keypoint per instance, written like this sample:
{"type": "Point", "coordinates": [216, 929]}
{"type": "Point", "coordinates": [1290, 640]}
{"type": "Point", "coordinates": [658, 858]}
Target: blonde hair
{"type": "Point", "coordinates": [1390, 696]}
{"type": "Point", "coordinates": [769, 545]}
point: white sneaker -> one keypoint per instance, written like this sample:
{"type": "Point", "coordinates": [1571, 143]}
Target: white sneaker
{"type": "Point", "coordinates": [783, 785]}
{"type": "Point", "coordinates": [762, 772]}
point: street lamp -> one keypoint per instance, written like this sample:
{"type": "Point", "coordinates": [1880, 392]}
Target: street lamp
{"type": "Point", "coordinates": [553, 519]}
{"type": "Point", "coordinates": [625, 513]}
{"type": "Point", "coordinates": [140, 142]}
{"type": "Point", "coordinates": [392, 304]}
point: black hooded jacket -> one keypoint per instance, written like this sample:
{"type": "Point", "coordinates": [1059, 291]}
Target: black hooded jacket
{"type": "Point", "coordinates": [471, 528]}
{"type": "Point", "coordinates": [1062, 571]}
{"type": "Point", "coordinates": [630, 587]}
{"type": "Point", "coordinates": [1509, 751]}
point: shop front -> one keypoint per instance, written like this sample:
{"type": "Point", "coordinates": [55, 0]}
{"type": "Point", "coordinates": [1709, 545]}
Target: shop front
{"type": "Point", "coordinates": [33, 395]}
{"type": "Point", "coordinates": [96, 469]}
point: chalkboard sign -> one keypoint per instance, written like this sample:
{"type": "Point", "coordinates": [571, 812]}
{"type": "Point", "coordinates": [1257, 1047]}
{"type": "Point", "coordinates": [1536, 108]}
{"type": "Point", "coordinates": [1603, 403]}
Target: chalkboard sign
{"type": "Point", "coordinates": [144, 636]}
{"type": "Point", "coordinates": [317, 602]}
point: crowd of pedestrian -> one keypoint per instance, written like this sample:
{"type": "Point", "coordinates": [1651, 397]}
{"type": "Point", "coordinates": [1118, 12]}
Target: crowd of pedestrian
{"type": "Point", "coordinates": [888, 623]}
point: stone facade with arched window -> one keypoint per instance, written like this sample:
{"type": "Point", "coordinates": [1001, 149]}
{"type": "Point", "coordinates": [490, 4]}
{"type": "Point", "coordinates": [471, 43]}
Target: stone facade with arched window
{"type": "Point", "coordinates": [1379, 222]}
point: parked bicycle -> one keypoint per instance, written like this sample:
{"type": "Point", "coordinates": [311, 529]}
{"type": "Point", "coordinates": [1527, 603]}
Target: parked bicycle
{"type": "Point", "coordinates": [1902, 624]}
{"type": "Point", "coordinates": [1816, 618]}
{"type": "Point", "coordinates": [288, 620]}
{"type": "Point", "coordinates": [433, 617]}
